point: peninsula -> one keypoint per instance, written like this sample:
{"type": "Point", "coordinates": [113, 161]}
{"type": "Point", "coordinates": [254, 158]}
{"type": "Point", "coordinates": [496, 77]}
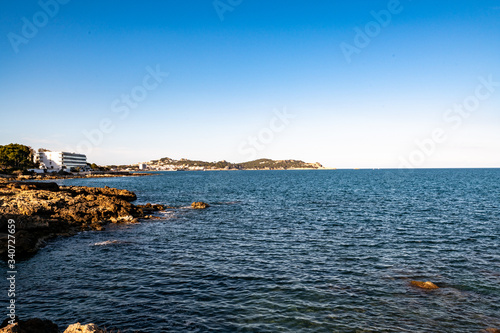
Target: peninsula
{"type": "Point", "coordinates": [169, 164]}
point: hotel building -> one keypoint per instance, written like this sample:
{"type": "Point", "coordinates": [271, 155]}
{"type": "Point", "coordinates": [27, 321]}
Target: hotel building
{"type": "Point", "coordinates": [57, 160]}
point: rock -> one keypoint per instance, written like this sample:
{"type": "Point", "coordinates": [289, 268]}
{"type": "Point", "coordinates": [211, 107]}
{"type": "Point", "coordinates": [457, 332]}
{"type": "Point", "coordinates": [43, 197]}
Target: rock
{"type": "Point", "coordinates": [199, 205]}
{"type": "Point", "coordinates": [46, 210]}
{"type": "Point", "coordinates": [97, 227]}
{"type": "Point", "coordinates": [424, 285]}
{"type": "Point", "coordinates": [5, 323]}
{"type": "Point", "coordinates": [31, 326]}
{"type": "Point", "coordinates": [148, 208]}
{"type": "Point", "coordinates": [32, 185]}
{"type": "Point", "coordinates": [492, 330]}
{"type": "Point", "coordinates": [79, 328]}
{"type": "Point", "coordinates": [128, 219]}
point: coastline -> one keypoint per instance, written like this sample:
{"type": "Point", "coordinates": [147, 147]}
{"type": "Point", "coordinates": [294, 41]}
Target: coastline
{"type": "Point", "coordinates": [249, 169]}
{"type": "Point", "coordinates": [117, 174]}
{"type": "Point", "coordinates": [55, 176]}
{"type": "Point", "coordinates": [45, 210]}
{"type": "Point", "coordinates": [411, 283]}
{"type": "Point", "coordinates": [41, 211]}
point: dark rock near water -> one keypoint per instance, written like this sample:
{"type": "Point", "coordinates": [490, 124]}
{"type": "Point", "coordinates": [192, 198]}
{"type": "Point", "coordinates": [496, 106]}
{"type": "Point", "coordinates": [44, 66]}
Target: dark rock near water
{"type": "Point", "coordinates": [199, 205]}
{"type": "Point", "coordinates": [29, 326]}
{"type": "Point", "coordinates": [46, 210]}
{"type": "Point", "coordinates": [424, 285]}
{"type": "Point", "coordinates": [36, 325]}
{"type": "Point", "coordinates": [79, 328]}
{"type": "Point", "coordinates": [148, 208]}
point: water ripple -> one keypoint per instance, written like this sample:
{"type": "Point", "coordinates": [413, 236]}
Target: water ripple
{"type": "Point", "coordinates": [308, 251]}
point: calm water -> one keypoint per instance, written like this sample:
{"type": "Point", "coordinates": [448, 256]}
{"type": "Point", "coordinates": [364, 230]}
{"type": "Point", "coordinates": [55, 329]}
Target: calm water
{"type": "Point", "coordinates": [283, 251]}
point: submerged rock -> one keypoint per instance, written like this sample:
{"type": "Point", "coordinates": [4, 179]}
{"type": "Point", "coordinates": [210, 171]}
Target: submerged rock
{"type": "Point", "coordinates": [424, 285]}
{"type": "Point", "coordinates": [199, 205]}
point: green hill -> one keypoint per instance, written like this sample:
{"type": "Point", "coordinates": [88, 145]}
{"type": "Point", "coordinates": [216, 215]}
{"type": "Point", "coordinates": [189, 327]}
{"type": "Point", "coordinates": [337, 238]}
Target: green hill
{"type": "Point", "coordinates": [260, 164]}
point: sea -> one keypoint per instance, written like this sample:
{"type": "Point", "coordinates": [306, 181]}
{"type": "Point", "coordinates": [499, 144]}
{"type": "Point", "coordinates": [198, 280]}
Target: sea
{"type": "Point", "coordinates": [281, 251]}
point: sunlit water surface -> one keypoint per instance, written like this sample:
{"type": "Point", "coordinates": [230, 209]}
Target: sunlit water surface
{"type": "Point", "coordinates": [283, 251]}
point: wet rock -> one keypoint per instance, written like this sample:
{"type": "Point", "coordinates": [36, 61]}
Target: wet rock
{"type": "Point", "coordinates": [128, 219]}
{"type": "Point", "coordinates": [97, 227]}
{"type": "Point", "coordinates": [30, 326]}
{"type": "Point", "coordinates": [199, 205]}
{"type": "Point", "coordinates": [79, 328]}
{"type": "Point", "coordinates": [149, 208]}
{"type": "Point", "coordinates": [424, 285]}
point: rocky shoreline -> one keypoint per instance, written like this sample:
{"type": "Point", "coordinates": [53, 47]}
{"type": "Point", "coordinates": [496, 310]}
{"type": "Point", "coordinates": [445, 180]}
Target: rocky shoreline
{"type": "Point", "coordinates": [46, 210]}
{"type": "Point", "coordinates": [46, 326]}
{"type": "Point", "coordinates": [54, 175]}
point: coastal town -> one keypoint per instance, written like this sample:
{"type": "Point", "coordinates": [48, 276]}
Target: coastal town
{"type": "Point", "coordinates": [44, 161]}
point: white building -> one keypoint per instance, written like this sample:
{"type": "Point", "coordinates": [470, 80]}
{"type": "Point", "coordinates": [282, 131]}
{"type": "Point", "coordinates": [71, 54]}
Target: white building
{"type": "Point", "coordinates": [143, 166]}
{"type": "Point", "coordinates": [57, 160]}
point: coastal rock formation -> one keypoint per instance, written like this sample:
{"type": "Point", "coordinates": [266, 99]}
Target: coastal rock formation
{"type": "Point", "coordinates": [199, 205]}
{"type": "Point", "coordinates": [45, 210]}
{"type": "Point", "coordinates": [29, 326]}
{"type": "Point", "coordinates": [79, 328]}
{"type": "Point", "coordinates": [36, 325]}
{"type": "Point", "coordinates": [424, 285]}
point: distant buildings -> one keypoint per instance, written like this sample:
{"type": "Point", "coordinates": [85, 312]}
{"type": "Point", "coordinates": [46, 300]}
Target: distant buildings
{"type": "Point", "coordinates": [143, 166]}
{"type": "Point", "coordinates": [60, 160]}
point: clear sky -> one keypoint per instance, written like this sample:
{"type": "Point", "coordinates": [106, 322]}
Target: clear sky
{"type": "Point", "coordinates": [346, 83]}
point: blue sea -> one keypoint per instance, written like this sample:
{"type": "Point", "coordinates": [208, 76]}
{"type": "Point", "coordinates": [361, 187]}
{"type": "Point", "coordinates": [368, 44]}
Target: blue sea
{"type": "Point", "coordinates": [282, 251]}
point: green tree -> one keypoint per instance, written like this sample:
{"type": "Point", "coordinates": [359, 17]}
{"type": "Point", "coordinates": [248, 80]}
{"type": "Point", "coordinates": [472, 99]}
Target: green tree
{"type": "Point", "coordinates": [15, 156]}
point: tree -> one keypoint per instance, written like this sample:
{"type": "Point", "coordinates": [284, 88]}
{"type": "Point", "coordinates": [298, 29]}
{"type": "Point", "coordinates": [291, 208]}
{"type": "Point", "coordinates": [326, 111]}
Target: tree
{"type": "Point", "coordinates": [15, 156]}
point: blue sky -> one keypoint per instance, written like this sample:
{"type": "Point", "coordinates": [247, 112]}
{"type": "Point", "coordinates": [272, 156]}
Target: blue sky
{"type": "Point", "coordinates": [235, 68]}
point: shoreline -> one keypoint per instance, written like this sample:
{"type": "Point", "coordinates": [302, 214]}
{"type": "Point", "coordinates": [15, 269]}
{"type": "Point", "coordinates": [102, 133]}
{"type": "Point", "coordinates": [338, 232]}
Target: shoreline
{"type": "Point", "coordinates": [288, 169]}
{"type": "Point", "coordinates": [55, 176]}
{"type": "Point", "coordinates": [40, 211]}
{"type": "Point", "coordinates": [45, 210]}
